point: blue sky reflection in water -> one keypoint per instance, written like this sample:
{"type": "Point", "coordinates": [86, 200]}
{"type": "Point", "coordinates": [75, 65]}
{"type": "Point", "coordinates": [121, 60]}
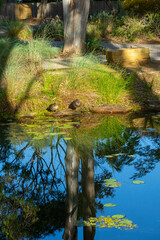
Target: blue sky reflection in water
{"type": "Point", "coordinates": [43, 175]}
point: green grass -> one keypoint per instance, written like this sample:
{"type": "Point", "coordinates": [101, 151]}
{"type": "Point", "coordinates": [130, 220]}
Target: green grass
{"type": "Point", "coordinates": [24, 87]}
{"type": "Point", "coordinates": [90, 81]}
{"type": "Point", "coordinates": [126, 28]}
{"type": "Point", "coordinates": [21, 65]}
{"type": "Point", "coordinates": [51, 29]}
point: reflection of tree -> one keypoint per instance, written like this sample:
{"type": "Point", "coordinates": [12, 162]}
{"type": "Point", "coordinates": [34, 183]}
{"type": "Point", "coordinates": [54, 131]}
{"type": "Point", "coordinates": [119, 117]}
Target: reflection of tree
{"type": "Point", "coordinates": [88, 192]}
{"type": "Point", "coordinates": [30, 180]}
{"type": "Point", "coordinates": [129, 143]}
{"type": "Point", "coordinates": [72, 168]}
{"type": "Point", "coordinates": [39, 176]}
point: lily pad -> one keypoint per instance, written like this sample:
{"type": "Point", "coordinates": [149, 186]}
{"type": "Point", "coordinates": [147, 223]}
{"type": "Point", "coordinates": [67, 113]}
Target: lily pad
{"type": "Point", "coordinates": [56, 133]}
{"type": "Point", "coordinates": [109, 205]}
{"type": "Point", "coordinates": [118, 216]}
{"type": "Point", "coordinates": [110, 180]}
{"type": "Point", "coordinates": [138, 182]}
{"type": "Point", "coordinates": [112, 183]}
{"type": "Point", "coordinates": [115, 221]}
{"type": "Point", "coordinates": [66, 126]}
{"type": "Point", "coordinates": [67, 138]}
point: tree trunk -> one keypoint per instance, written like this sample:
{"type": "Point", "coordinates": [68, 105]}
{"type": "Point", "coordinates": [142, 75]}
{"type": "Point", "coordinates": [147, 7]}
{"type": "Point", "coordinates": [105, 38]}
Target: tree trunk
{"type": "Point", "coordinates": [75, 15]}
{"type": "Point", "coordinates": [42, 9]}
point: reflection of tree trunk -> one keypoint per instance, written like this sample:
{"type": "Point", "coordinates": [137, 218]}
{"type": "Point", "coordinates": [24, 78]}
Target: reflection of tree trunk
{"type": "Point", "coordinates": [88, 194]}
{"type": "Point", "coordinates": [72, 165]}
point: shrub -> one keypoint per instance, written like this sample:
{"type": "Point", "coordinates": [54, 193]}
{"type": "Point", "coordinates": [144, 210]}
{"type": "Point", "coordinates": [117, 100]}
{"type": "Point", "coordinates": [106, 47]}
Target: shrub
{"type": "Point", "coordinates": [129, 28]}
{"type": "Point", "coordinates": [102, 24]}
{"type": "Point", "coordinates": [142, 6]}
{"type": "Point", "coordinates": [51, 29]}
{"type": "Point", "coordinates": [14, 28]}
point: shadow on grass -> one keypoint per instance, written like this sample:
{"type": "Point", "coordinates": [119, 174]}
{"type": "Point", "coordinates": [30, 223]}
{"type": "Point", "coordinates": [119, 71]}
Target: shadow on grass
{"type": "Point", "coordinates": [143, 89]}
{"type": "Point", "coordinates": [6, 107]}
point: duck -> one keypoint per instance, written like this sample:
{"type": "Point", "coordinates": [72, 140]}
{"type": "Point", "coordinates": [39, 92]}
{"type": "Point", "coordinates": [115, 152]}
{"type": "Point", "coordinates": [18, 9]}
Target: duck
{"type": "Point", "coordinates": [52, 107]}
{"type": "Point", "coordinates": [76, 103]}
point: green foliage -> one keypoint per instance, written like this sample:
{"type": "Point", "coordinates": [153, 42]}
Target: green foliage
{"type": "Point", "coordinates": [112, 183]}
{"type": "Point", "coordinates": [1, 3]}
{"type": "Point", "coordinates": [138, 182]}
{"type": "Point", "coordinates": [93, 45]}
{"type": "Point", "coordinates": [128, 28]}
{"type": "Point", "coordinates": [88, 76]}
{"type": "Point", "coordinates": [109, 205]}
{"type": "Point", "coordinates": [100, 25]}
{"type": "Point", "coordinates": [16, 214]}
{"type": "Point", "coordinates": [14, 28]}
{"type": "Point", "coordinates": [115, 221]}
{"type": "Point", "coordinates": [21, 62]}
{"type": "Point", "coordinates": [51, 29]}
{"type": "Point", "coordinates": [142, 6]}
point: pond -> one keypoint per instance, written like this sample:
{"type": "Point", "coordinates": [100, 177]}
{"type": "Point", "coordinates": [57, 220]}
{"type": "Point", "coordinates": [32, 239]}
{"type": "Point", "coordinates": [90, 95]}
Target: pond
{"type": "Point", "coordinates": [92, 178]}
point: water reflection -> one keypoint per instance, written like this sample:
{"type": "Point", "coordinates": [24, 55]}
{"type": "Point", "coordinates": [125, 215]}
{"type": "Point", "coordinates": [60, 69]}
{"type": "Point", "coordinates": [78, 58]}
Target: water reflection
{"type": "Point", "coordinates": [49, 183]}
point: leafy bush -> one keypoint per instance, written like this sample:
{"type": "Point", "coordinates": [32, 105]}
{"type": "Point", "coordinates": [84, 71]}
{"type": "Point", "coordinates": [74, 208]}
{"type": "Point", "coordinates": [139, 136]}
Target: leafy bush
{"type": "Point", "coordinates": [142, 6]}
{"type": "Point", "coordinates": [126, 28]}
{"type": "Point", "coordinates": [129, 28]}
{"type": "Point", "coordinates": [14, 28]}
{"type": "Point", "coordinates": [93, 45]}
{"type": "Point", "coordinates": [101, 24]}
{"type": "Point", "coordinates": [51, 29]}
{"type": "Point", "coordinates": [152, 21]}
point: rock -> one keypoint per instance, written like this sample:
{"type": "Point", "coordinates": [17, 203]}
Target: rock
{"type": "Point", "coordinates": [128, 57]}
{"type": "Point", "coordinates": [110, 109]}
{"type": "Point", "coordinates": [53, 107]}
{"type": "Point", "coordinates": [73, 105]}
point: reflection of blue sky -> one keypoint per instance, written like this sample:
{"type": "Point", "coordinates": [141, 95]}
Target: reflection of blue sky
{"type": "Point", "coordinates": [140, 203]}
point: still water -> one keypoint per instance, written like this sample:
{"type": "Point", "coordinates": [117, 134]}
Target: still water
{"type": "Point", "coordinates": [93, 178]}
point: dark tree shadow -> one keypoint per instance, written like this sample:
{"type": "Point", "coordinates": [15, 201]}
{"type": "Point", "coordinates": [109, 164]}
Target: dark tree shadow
{"type": "Point", "coordinates": [6, 107]}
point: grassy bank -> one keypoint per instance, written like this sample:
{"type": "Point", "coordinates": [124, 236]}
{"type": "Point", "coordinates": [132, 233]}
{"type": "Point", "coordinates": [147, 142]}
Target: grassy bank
{"type": "Point", "coordinates": [24, 87]}
{"type": "Point", "coordinates": [20, 73]}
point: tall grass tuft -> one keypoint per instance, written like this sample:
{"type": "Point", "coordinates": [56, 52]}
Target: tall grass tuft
{"type": "Point", "coordinates": [23, 63]}
{"type": "Point", "coordinates": [52, 28]}
{"type": "Point", "coordinates": [91, 82]}
{"type": "Point", "coordinates": [126, 28]}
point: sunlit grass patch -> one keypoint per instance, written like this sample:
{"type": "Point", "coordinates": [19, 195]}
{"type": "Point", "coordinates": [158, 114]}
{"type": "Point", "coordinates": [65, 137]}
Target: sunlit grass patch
{"type": "Point", "coordinates": [20, 69]}
{"type": "Point", "coordinates": [88, 80]}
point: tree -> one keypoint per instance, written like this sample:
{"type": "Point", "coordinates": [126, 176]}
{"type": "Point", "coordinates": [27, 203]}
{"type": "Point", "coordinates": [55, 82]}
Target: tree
{"type": "Point", "coordinates": [75, 14]}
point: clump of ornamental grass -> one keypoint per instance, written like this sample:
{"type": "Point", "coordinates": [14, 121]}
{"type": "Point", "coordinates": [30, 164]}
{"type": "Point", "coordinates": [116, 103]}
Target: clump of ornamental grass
{"type": "Point", "coordinates": [51, 28]}
{"type": "Point", "coordinates": [20, 72]}
{"type": "Point", "coordinates": [90, 81]}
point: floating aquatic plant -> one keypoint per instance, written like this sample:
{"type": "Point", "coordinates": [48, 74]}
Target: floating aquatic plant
{"type": "Point", "coordinates": [115, 221]}
{"type": "Point", "coordinates": [138, 182]}
{"type": "Point", "coordinates": [109, 205]}
{"type": "Point", "coordinates": [112, 183]}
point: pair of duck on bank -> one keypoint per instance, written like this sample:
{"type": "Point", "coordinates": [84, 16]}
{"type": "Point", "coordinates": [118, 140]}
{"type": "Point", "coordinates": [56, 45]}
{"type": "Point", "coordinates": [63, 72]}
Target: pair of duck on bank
{"type": "Point", "coordinates": [73, 105]}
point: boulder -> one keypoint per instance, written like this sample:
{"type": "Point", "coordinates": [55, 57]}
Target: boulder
{"type": "Point", "coordinates": [128, 57]}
